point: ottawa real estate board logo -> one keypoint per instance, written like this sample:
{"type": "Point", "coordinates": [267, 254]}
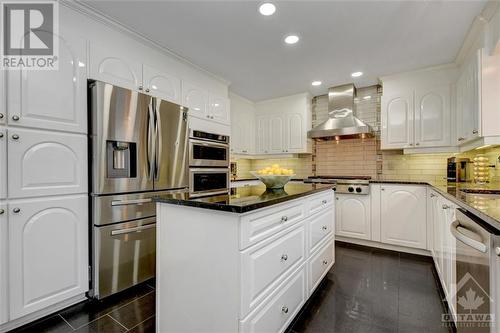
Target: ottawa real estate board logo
{"type": "Point", "coordinates": [29, 35]}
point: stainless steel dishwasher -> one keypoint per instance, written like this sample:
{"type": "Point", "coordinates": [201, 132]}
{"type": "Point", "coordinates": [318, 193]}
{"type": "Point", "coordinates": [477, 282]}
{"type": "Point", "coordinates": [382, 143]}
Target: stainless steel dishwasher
{"type": "Point", "coordinates": [477, 273]}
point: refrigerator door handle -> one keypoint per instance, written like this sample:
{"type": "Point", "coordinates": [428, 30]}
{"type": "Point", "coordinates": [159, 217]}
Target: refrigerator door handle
{"type": "Point", "coordinates": [151, 142]}
{"type": "Point", "coordinates": [158, 139]}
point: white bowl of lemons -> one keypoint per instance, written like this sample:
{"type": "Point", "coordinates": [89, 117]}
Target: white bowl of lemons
{"type": "Point", "coordinates": [274, 177]}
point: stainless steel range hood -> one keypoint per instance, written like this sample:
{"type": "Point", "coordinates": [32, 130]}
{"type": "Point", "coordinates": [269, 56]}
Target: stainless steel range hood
{"type": "Point", "coordinates": [341, 122]}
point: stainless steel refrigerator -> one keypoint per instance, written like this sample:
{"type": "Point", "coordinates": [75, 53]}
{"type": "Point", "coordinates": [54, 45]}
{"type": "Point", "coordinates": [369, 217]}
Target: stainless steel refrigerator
{"type": "Point", "coordinates": [138, 149]}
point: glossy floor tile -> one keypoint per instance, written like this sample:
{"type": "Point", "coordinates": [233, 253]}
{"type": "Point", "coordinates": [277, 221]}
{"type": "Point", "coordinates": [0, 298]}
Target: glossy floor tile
{"type": "Point", "coordinates": [367, 290]}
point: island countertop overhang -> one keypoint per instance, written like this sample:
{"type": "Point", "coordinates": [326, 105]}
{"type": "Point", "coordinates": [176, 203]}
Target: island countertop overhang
{"type": "Point", "coordinates": [245, 199]}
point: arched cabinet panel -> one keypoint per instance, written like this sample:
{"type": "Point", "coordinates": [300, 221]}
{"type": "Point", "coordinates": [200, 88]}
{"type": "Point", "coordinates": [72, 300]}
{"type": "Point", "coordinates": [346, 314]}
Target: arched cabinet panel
{"type": "Point", "coordinates": [353, 216]}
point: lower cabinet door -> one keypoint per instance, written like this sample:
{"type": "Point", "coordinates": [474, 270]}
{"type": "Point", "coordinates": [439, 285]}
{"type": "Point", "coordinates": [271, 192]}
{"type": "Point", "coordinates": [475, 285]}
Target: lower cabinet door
{"type": "Point", "coordinates": [48, 252]}
{"type": "Point", "coordinates": [320, 263]}
{"type": "Point", "coordinates": [274, 315]}
{"type": "Point", "coordinates": [353, 216]}
{"type": "Point", "coordinates": [4, 307]}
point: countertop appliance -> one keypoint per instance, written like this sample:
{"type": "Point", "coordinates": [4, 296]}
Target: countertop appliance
{"type": "Point", "coordinates": [477, 270]}
{"type": "Point", "coordinates": [209, 164]}
{"type": "Point", "coordinates": [138, 149]}
{"type": "Point", "coordinates": [341, 122]}
{"type": "Point", "coordinates": [344, 184]}
{"type": "Point", "coordinates": [459, 170]}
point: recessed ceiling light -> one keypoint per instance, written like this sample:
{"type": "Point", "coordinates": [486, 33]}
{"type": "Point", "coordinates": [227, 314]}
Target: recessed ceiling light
{"type": "Point", "coordinates": [291, 39]}
{"type": "Point", "coordinates": [267, 9]}
{"type": "Point", "coordinates": [316, 83]}
{"type": "Point", "coordinates": [356, 74]}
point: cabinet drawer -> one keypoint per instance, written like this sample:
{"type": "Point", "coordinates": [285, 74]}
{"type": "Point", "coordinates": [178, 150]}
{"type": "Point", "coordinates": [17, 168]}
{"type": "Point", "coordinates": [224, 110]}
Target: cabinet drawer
{"type": "Point", "coordinates": [321, 226]}
{"type": "Point", "coordinates": [257, 226]}
{"type": "Point", "coordinates": [276, 314]}
{"type": "Point", "coordinates": [264, 266]}
{"type": "Point", "coordinates": [320, 202]}
{"type": "Point", "coordinates": [319, 264]}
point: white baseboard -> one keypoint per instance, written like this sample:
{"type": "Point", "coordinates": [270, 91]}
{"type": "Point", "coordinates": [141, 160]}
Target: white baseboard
{"type": "Point", "coordinates": [383, 246]}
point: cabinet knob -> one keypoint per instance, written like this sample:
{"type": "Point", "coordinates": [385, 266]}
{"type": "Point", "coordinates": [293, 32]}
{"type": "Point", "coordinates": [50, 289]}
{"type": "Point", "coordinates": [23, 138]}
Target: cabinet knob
{"type": "Point", "coordinates": [284, 257]}
{"type": "Point", "coordinates": [284, 309]}
{"type": "Point", "coordinates": [336, 198]}
{"type": "Point", "coordinates": [16, 210]}
{"type": "Point", "coordinates": [211, 117]}
{"type": "Point", "coordinates": [324, 202]}
{"type": "Point", "coordinates": [325, 262]}
{"type": "Point", "coordinates": [461, 139]}
{"type": "Point", "coordinates": [208, 116]}
{"type": "Point", "coordinates": [445, 206]}
{"type": "Point", "coordinates": [324, 227]}
{"type": "Point", "coordinates": [15, 137]}
{"type": "Point", "coordinates": [417, 144]}
{"type": "Point", "coordinates": [147, 90]}
{"type": "Point", "coordinates": [382, 189]}
{"type": "Point", "coordinates": [1, 115]}
{"type": "Point", "coordinates": [1, 135]}
{"type": "Point", "coordinates": [411, 144]}
{"type": "Point", "coordinates": [432, 195]}
{"type": "Point", "coordinates": [497, 250]}
{"type": "Point", "coordinates": [2, 211]}
{"type": "Point", "coordinates": [475, 131]}
{"type": "Point", "coordinates": [284, 219]}
{"type": "Point", "coordinates": [140, 87]}
{"type": "Point", "coordinates": [15, 117]}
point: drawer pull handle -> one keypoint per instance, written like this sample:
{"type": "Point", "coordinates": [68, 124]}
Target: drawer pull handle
{"type": "Point", "coordinates": [325, 262]}
{"type": "Point", "coordinates": [284, 257]}
{"type": "Point", "coordinates": [324, 202]}
{"type": "Point", "coordinates": [284, 219]}
{"type": "Point", "coordinates": [284, 309]}
{"type": "Point", "coordinates": [324, 227]}
{"type": "Point", "coordinates": [16, 210]}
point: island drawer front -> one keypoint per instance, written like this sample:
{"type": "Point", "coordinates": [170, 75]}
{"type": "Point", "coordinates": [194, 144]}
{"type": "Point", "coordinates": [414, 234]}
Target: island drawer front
{"type": "Point", "coordinates": [277, 313]}
{"type": "Point", "coordinates": [319, 264]}
{"type": "Point", "coordinates": [320, 202]}
{"type": "Point", "coordinates": [266, 265]}
{"type": "Point", "coordinates": [260, 225]}
{"type": "Point", "coordinates": [321, 225]}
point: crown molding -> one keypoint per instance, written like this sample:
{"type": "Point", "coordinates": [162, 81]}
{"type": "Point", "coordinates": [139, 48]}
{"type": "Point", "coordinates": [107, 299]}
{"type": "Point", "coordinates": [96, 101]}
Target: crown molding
{"type": "Point", "coordinates": [94, 14]}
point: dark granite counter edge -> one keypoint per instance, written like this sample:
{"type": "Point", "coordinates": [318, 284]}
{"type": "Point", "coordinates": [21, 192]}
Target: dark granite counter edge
{"type": "Point", "coordinates": [251, 179]}
{"type": "Point", "coordinates": [235, 208]}
{"type": "Point", "coordinates": [488, 219]}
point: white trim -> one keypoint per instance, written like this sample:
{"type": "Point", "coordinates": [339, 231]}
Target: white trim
{"type": "Point", "coordinates": [91, 12]}
{"type": "Point", "coordinates": [383, 246]}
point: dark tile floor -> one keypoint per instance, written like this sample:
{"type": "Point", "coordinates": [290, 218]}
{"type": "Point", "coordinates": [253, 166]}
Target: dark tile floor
{"type": "Point", "coordinates": [368, 290]}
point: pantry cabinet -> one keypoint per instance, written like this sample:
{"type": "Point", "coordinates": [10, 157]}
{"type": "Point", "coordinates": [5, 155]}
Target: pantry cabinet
{"type": "Point", "coordinates": [51, 99]}
{"type": "Point", "coordinates": [4, 304]}
{"type": "Point", "coordinates": [468, 101]}
{"type": "Point", "coordinates": [3, 163]}
{"type": "Point", "coordinates": [161, 85]}
{"type": "Point", "coordinates": [403, 215]}
{"type": "Point", "coordinates": [353, 216]}
{"type": "Point", "coordinates": [46, 163]}
{"type": "Point", "coordinates": [47, 249]}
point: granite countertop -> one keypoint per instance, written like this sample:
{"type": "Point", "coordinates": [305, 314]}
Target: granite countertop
{"type": "Point", "coordinates": [242, 179]}
{"type": "Point", "coordinates": [245, 199]}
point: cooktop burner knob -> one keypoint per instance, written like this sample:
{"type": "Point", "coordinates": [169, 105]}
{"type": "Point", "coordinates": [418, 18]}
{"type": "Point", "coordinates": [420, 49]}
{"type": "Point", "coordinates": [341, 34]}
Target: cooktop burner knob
{"type": "Point", "coordinates": [358, 190]}
{"type": "Point", "coordinates": [350, 189]}
{"type": "Point", "coordinates": [334, 188]}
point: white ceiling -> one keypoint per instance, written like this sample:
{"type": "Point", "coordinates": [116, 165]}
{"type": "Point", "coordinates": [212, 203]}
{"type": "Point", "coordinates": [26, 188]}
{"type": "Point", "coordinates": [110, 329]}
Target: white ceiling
{"type": "Point", "coordinates": [232, 40]}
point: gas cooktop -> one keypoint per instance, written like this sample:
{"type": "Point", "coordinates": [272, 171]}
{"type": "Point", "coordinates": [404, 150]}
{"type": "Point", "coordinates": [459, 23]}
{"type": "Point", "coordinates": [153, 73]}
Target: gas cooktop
{"type": "Point", "coordinates": [344, 184]}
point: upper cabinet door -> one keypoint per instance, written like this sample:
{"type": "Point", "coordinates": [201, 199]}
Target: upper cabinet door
{"type": "Point", "coordinates": [397, 121]}
{"type": "Point", "coordinates": [46, 163]}
{"type": "Point", "coordinates": [51, 99]}
{"type": "Point", "coordinates": [219, 109]}
{"type": "Point", "coordinates": [276, 134]}
{"type": "Point", "coordinates": [4, 306]}
{"type": "Point", "coordinates": [48, 252]}
{"type": "Point", "coordinates": [432, 116]}
{"type": "Point", "coordinates": [263, 134]}
{"type": "Point", "coordinates": [353, 216]}
{"type": "Point", "coordinates": [468, 100]}
{"type": "Point", "coordinates": [161, 85]}
{"type": "Point", "coordinates": [295, 136]}
{"type": "Point", "coordinates": [108, 65]}
{"type": "Point", "coordinates": [403, 216]}
{"type": "Point", "coordinates": [3, 163]}
{"type": "Point", "coordinates": [196, 99]}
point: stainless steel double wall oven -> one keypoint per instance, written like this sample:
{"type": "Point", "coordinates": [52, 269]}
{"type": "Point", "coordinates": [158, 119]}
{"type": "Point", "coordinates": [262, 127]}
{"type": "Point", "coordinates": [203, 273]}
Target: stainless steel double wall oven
{"type": "Point", "coordinates": [139, 149]}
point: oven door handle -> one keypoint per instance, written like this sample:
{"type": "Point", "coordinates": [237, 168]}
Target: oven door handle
{"type": "Point", "coordinates": [208, 143]}
{"type": "Point", "coordinates": [131, 230]}
{"type": "Point", "coordinates": [455, 231]}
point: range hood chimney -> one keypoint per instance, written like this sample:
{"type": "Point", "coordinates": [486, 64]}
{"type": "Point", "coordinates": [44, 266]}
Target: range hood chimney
{"type": "Point", "coordinates": [341, 122]}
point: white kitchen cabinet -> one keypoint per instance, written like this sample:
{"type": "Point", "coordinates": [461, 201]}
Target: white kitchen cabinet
{"type": "Point", "coordinates": [353, 216]}
{"type": "Point", "coordinates": [276, 134]}
{"type": "Point", "coordinates": [3, 103]}
{"type": "Point", "coordinates": [46, 163]}
{"type": "Point", "coordinates": [109, 65]}
{"type": "Point", "coordinates": [4, 300]}
{"type": "Point", "coordinates": [397, 120]}
{"type": "Point", "coordinates": [196, 99]}
{"type": "Point", "coordinates": [48, 252]}
{"type": "Point", "coordinates": [218, 109]}
{"type": "Point", "coordinates": [468, 99]}
{"type": "Point", "coordinates": [3, 162]}
{"type": "Point", "coordinates": [295, 134]}
{"type": "Point", "coordinates": [403, 215]}
{"type": "Point", "coordinates": [432, 116]}
{"type": "Point", "coordinates": [51, 99]}
{"type": "Point", "coordinates": [263, 134]}
{"type": "Point", "coordinates": [242, 125]}
{"type": "Point", "coordinates": [161, 85]}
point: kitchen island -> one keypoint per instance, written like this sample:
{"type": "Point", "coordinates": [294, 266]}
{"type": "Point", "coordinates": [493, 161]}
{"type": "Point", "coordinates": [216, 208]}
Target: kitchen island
{"type": "Point", "coordinates": [244, 262]}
